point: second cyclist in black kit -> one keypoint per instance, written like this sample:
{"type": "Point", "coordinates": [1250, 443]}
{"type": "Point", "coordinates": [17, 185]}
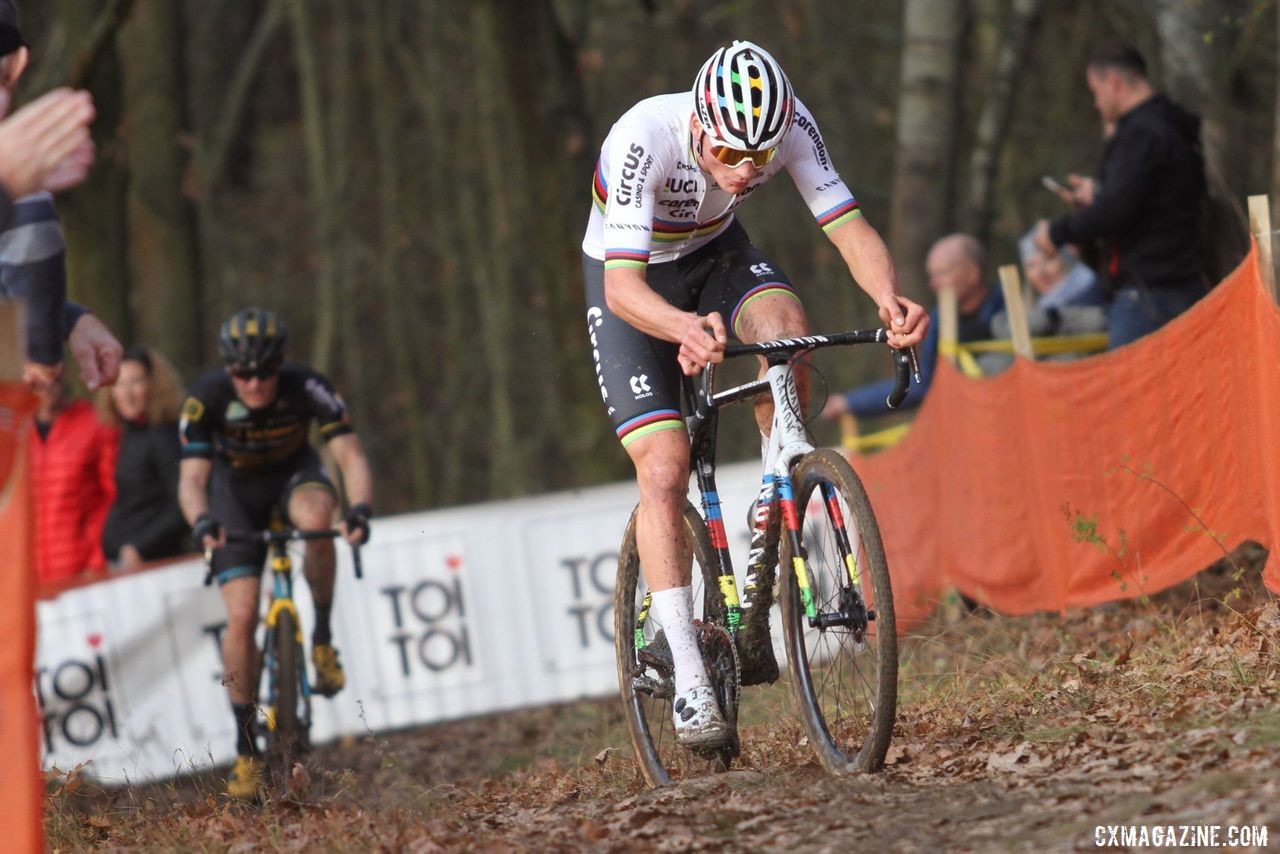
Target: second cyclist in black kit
{"type": "Point", "coordinates": [246, 460]}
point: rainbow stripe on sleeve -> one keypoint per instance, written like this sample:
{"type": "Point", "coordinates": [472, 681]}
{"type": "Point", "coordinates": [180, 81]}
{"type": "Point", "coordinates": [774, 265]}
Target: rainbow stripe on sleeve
{"type": "Point", "coordinates": [599, 189]}
{"type": "Point", "coordinates": [614, 258]}
{"type": "Point", "coordinates": [833, 218]}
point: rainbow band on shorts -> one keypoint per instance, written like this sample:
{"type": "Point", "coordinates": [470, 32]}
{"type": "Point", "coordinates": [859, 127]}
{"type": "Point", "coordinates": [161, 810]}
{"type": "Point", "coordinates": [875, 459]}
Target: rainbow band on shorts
{"type": "Point", "coordinates": [650, 422]}
{"type": "Point", "coordinates": [755, 293]}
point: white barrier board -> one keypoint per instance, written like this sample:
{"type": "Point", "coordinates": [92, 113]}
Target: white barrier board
{"type": "Point", "coordinates": [461, 612]}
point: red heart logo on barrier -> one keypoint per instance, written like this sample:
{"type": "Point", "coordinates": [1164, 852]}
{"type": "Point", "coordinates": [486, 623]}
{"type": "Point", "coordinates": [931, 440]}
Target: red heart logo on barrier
{"type": "Point", "coordinates": [95, 640]}
{"type": "Point", "coordinates": [453, 562]}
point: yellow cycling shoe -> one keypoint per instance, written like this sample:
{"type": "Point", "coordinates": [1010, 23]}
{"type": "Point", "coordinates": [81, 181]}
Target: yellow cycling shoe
{"type": "Point", "coordinates": [329, 675]}
{"type": "Point", "coordinates": [245, 782]}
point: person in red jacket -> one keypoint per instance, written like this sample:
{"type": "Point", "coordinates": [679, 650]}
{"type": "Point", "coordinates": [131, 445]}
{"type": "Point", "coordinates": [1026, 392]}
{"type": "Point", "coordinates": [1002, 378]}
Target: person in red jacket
{"type": "Point", "coordinates": [73, 457]}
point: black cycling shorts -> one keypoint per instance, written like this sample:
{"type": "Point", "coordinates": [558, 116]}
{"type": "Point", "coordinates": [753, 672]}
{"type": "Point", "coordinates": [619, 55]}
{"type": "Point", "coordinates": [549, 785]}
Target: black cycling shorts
{"type": "Point", "coordinates": [638, 374]}
{"type": "Point", "coordinates": [246, 501]}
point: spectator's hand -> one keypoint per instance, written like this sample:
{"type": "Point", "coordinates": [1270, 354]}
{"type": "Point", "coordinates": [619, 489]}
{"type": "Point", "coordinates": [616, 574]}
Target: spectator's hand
{"type": "Point", "coordinates": [906, 321]}
{"type": "Point", "coordinates": [207, 533]}
{"type": "Point", "coordinates": [96, 350]}
{"type": "Point", "coordinates": [355, 525]}
{"type": "Point", "coordinates": [702, 343]}
{"type": "Point", "coordinates": [40, 377]}
{"type": "Point", "coordinates": [129, 559]}
{"type": "Point", "coordinates": [1082, 191]}
{"type": "Point", "coordinates": [835, 407]}
{"type": "Point", "coordinates": [46, 144]}
{"type": "Point", "coordinates": [1042, 240]}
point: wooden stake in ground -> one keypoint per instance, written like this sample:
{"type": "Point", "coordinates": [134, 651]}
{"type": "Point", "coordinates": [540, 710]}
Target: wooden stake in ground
{"type": "Point", "coordinates": [1016, 310]}
{"type": "Point", "coordinates": [1260, 227]}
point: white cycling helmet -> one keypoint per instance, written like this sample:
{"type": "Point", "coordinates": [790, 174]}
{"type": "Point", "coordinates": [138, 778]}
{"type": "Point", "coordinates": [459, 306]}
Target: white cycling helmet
{"type": "Point", "coordinates": [743, 98]}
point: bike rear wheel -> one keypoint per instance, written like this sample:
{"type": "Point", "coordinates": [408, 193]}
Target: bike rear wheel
{"type": "Point", "coordinates": [645, 674]}
{"type": "Point", "coordinates": [843, 671]}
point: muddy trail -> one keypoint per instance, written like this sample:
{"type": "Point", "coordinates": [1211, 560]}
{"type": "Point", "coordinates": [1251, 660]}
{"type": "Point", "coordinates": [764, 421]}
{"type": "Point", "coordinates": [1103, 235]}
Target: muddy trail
{"type": "Point", "coordinates": [1013, 733]}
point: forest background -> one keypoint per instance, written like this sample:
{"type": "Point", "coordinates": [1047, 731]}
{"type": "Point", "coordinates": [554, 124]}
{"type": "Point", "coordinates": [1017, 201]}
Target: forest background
{"type": "Point", "coordinates": [407, 181]}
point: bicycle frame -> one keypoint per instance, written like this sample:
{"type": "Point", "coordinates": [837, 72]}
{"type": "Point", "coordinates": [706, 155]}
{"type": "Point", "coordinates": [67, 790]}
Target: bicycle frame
{"type": "Point", "coordinates": [788, 441]}
{"type": "Point", "coordinates": [281, 600]}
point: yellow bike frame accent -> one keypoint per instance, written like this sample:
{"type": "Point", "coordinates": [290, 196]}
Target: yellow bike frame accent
{"type": "Point", "coordinates": [802, 573]}
{"type": "Point", "coordinates": [855, 577]}
{"type": "Point", "coordinates": [729, 590]}
{"type": "Point", "coordinates": [279, 605]}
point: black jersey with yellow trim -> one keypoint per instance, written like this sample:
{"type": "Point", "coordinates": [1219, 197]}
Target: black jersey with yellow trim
{"type": "Point", "coordinates": [217, 425]}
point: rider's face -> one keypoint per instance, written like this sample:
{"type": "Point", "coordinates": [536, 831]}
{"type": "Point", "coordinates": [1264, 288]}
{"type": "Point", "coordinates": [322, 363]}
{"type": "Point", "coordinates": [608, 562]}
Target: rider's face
{"type": "Point", "coordinates": [256, 392]}
{"type": "Point", "coordinates": [734, 179]}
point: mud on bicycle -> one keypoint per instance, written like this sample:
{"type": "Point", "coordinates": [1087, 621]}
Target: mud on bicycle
{"type": "Point", "coordinates": [813, 519]}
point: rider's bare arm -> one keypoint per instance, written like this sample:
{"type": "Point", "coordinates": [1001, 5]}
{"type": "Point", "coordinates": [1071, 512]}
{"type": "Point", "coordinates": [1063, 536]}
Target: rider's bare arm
{"type": "Point", "coordinates": [193, 487]}
{"type": "Point", "coordinates": [701, 339]}
{"type": "Point", "coordinates": [357, 478]}
{"type": "Point", "coordinates": [871, 266]}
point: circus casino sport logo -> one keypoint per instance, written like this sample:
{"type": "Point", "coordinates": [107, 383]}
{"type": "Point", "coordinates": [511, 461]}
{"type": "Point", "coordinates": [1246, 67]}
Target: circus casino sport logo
{"type": "Point", "coordinates": [74, 693]}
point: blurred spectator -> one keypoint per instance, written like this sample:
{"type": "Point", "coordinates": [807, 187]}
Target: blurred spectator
{"type": "Point", "coordinates": [1147, 202]}
{"type": "Point", "coordinates": [958, 262]}
{"type": "Point", "coordinates": [145, 522]}
{"type": "Point", "coordinates": [53, 131]}
{"type": "Point", "coordinates": [73, 456]}
{"type": "Point", "coordinates": [1069, 298]}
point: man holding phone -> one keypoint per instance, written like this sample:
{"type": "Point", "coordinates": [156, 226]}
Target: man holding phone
{"type": "Point", "coordinates": [1146, 202]}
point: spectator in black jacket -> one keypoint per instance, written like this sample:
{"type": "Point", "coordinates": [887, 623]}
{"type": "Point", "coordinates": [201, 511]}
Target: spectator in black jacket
{"type": "Point", "coordinates": [1147, 203]}
{"type": "Point", "coordinates": [145, 523]}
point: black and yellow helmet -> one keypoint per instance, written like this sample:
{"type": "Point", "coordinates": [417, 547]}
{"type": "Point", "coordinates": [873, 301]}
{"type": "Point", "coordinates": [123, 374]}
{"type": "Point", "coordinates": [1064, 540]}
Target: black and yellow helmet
{"type": "Point", "coordinates": [252, 339]}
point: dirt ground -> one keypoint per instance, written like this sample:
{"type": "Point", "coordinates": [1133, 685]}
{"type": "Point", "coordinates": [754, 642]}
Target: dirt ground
{"type": "Point", "coordinates": [1022, 733]}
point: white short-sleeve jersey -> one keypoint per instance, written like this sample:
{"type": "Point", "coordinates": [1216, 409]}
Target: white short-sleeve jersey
{"type": "Point", "coordinates": [653, 203]}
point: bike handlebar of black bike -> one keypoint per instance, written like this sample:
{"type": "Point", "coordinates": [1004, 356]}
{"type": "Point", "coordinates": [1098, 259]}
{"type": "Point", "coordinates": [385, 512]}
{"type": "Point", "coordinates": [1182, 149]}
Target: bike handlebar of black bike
{"type": "Point", "coordinates": [904, 360]}
{"type": "Point", "coordinates": [283, 536]}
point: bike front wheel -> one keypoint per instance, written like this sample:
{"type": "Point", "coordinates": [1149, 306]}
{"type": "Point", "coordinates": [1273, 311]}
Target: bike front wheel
{"type": "Point", "coordinates": [645, 672]}
{"type": "Point", "coordinates": [288, 703]}
{"type": "Point", "coordinates": [842, 659]}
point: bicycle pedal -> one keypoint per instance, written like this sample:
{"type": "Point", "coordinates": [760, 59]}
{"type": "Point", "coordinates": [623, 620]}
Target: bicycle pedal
{"type": "Point", "coordinates": [657, 654]}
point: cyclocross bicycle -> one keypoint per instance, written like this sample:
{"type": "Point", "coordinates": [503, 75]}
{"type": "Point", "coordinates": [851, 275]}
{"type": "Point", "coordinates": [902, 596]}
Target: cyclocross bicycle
{"type": "Point", "coordinates": [285, 701]}
{"type": "Point", "coordinates": [840, 637]}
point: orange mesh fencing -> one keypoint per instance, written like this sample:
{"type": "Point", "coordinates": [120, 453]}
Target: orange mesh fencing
{"type": "Point", "coordinates": [1061, 484]}
{"type": "Point", "coordinates": [20, 782]}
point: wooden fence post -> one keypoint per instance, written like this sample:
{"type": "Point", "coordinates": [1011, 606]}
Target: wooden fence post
{"type": "Point", "coordinates": [948, 323]}
{"type": "Point", "coordinates": [1016, 310]}
{"type": "Point", "coordinates": [1260, 227]}
{"type": "Point", "coordinates": [13, 341]}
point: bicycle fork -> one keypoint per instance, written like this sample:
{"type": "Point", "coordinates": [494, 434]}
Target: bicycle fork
{"type": "Point", "coordinates": [852, 612]}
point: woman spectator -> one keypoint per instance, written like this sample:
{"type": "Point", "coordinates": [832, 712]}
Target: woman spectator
{"type": "Point", "coordinates": [73, 456]}
{"type": "Point", "coordinates": [1061, 281]}
{"type": "Point", "coordinates": [145, 522]}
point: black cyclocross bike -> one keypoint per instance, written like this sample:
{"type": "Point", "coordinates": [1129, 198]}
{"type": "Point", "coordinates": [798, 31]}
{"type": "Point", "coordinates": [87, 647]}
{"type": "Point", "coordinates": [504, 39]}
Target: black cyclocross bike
{"type": "Point", "coordinates": [285, 695]}
{"type": "Point", "coordinates": [840, 638]}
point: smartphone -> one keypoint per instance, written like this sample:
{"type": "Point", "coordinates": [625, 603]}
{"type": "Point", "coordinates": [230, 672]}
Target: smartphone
{"type": "Point", "coordinates": [1050, 184]}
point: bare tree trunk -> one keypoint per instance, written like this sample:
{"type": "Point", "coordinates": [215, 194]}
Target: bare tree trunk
{"type": "Point", "coordinates": [166, 297]}
{"type": "Point", "coordinates": [1188, 77]}
{"type": "Point", "coordinates": [319, 170]}
{"type": "Point", "coordinates": [492, 261]}
{"type": "Point", "coordinates": [398, 323]}
{"type": "Point", "coordinates": [924, 168]}
{"type": "Point", "coordinates": [455, 426]}
{"type": "Point", "coordinates": [94, 215]}
{"type": "Point", "coordinates": [997, 111]}
{"type": "Point", "coordinates": [1275, 138]}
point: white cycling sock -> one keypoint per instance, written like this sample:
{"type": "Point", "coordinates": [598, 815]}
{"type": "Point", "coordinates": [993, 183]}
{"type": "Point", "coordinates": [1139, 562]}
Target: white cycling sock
{"type": "Point", "coordinates": [673, 609]}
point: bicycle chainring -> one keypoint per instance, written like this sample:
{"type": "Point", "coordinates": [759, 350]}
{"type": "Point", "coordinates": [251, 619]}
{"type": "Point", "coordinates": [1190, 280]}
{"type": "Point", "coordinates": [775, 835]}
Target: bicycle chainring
{"type": "Point", "coordinates": [720, 655]}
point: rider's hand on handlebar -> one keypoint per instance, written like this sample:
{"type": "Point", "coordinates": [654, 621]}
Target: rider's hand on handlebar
{"type": "Point", "coordinates": [207, 533]}
{"type": "Point", "coordinates": [906, 321]}
{"type": "Point", "coordinates": [355, 525]}
{"type": "Point", "coordinates": [702, 343]}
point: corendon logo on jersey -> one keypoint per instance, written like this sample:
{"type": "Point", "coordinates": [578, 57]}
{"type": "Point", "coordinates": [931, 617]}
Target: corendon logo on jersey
{"type": "Point", "coordinates": [819, 147]}
{"type": "Point", "coordinates": [626, 192]}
